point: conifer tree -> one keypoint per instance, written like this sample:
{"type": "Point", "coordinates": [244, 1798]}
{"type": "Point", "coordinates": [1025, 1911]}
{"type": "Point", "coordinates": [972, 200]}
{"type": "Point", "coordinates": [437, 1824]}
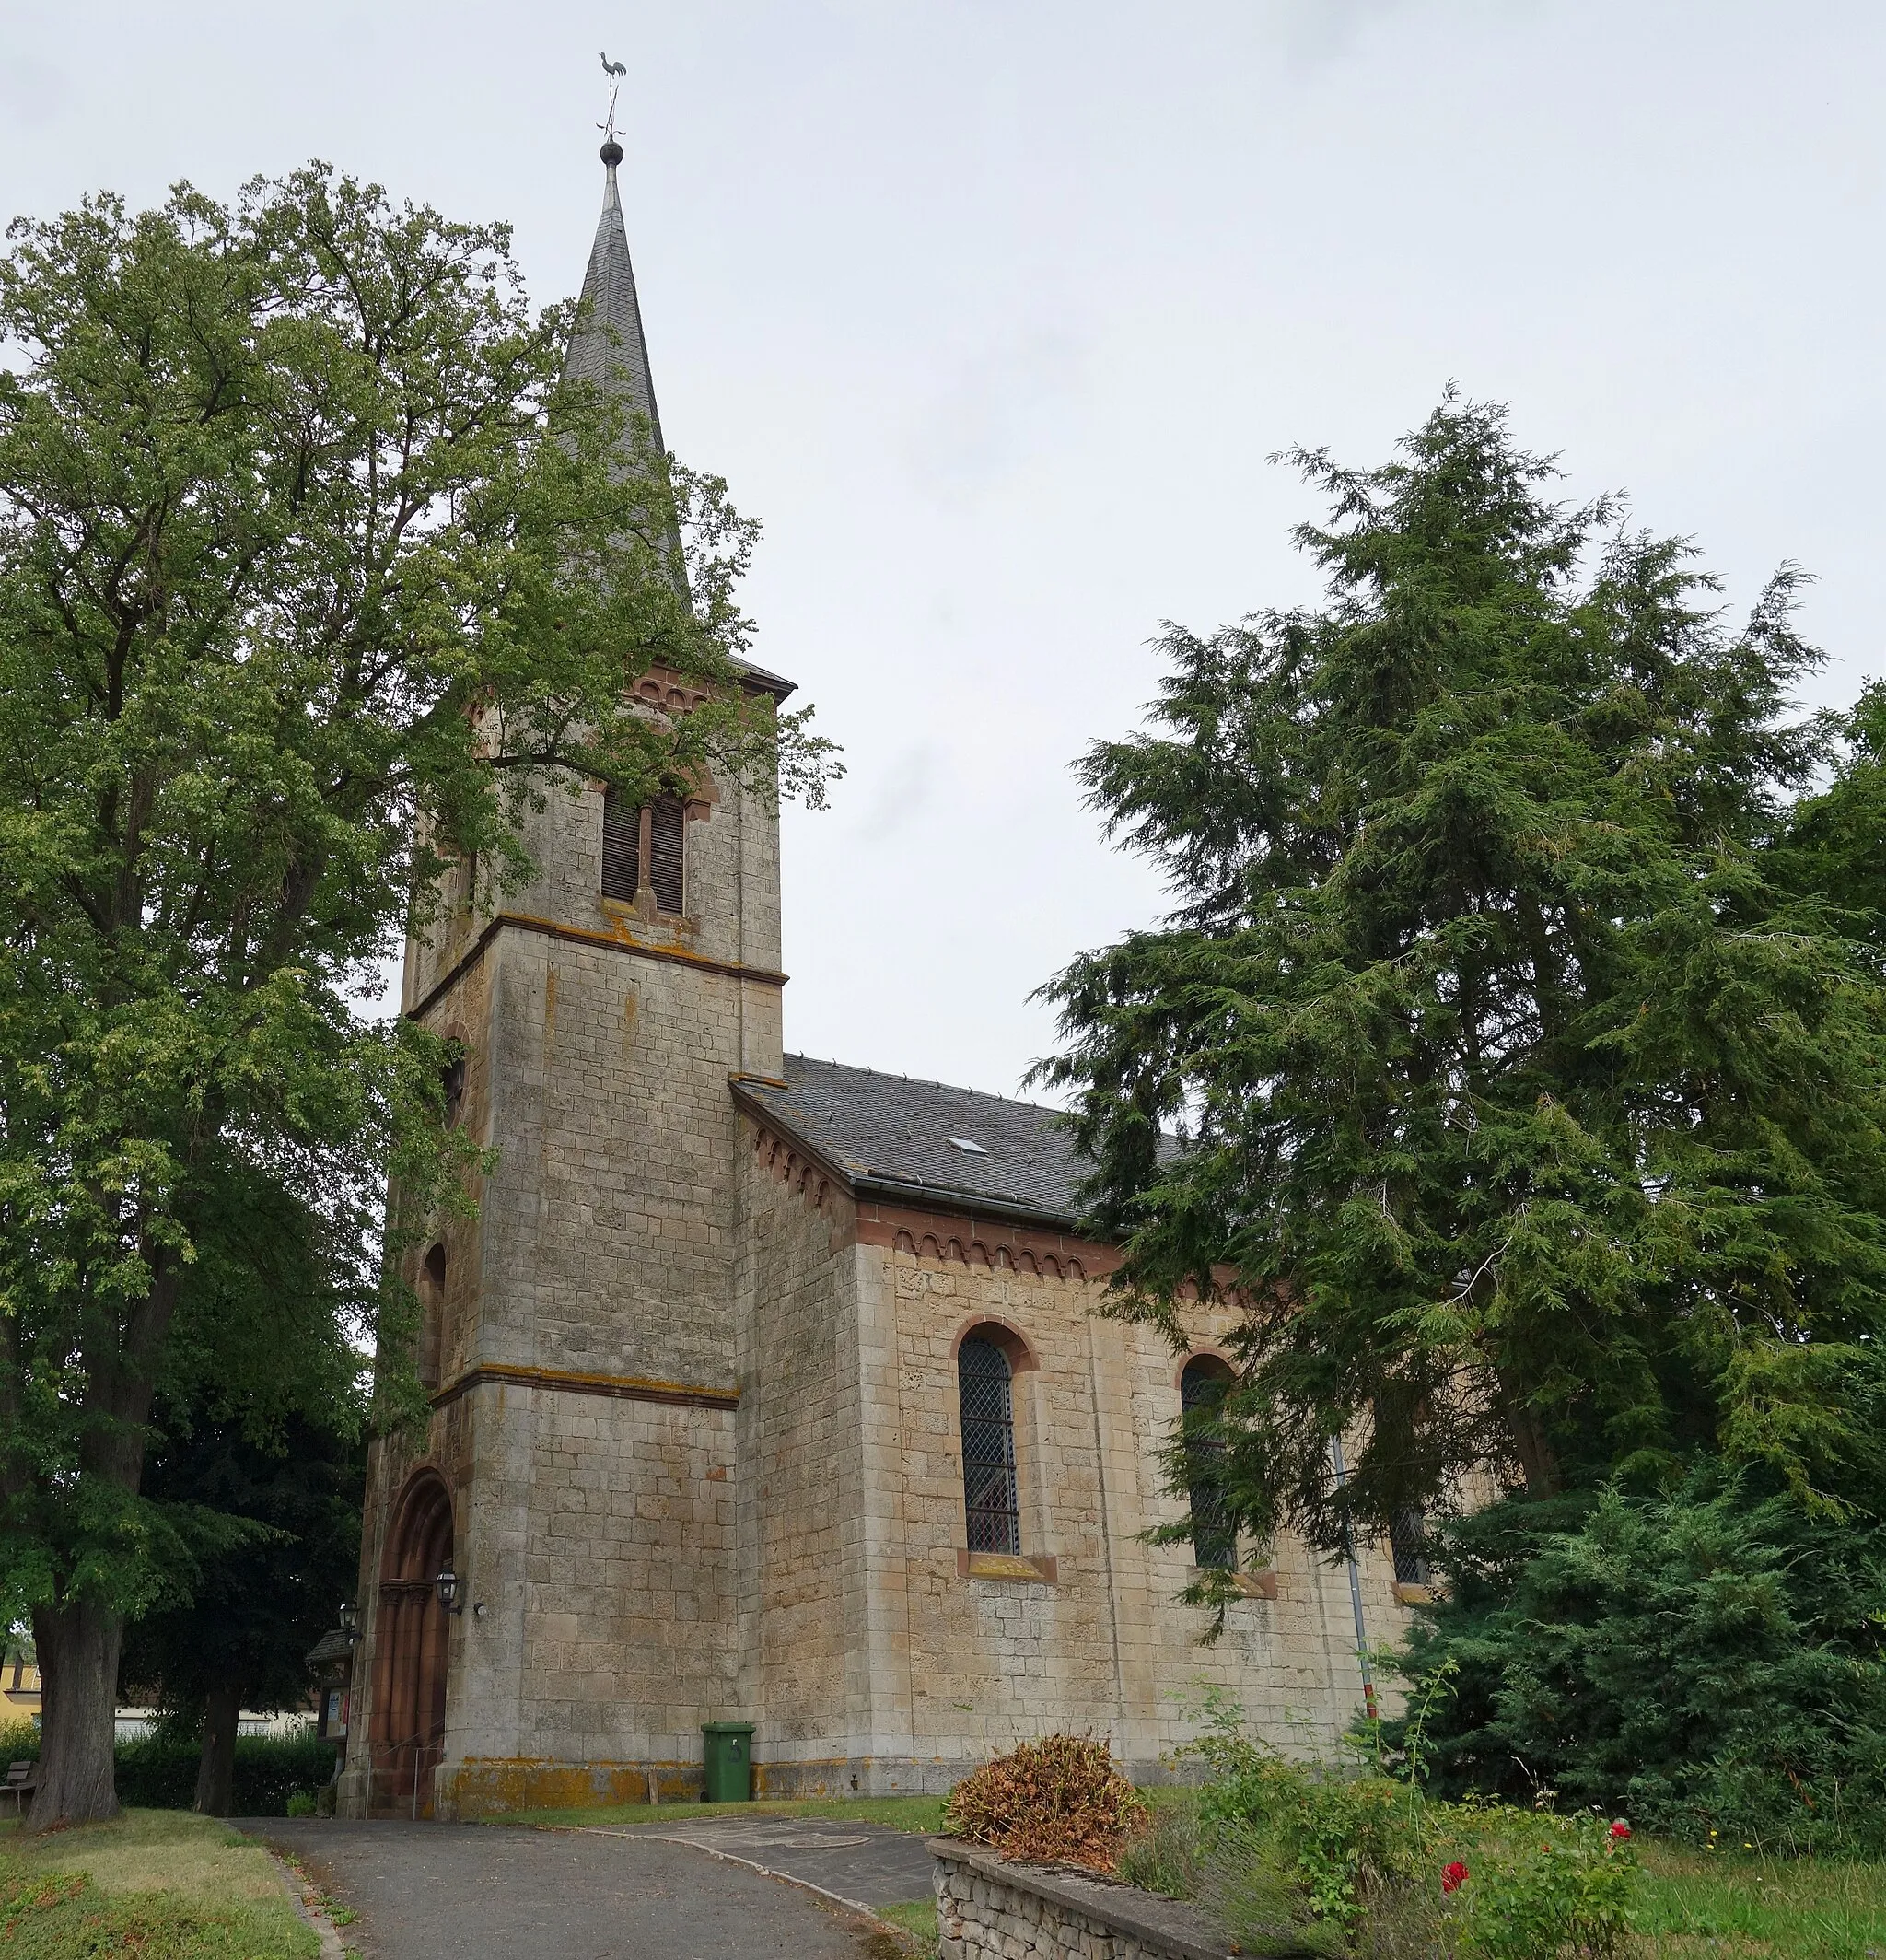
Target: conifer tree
{"type": "Point", "coordinates": [1519, 1015]}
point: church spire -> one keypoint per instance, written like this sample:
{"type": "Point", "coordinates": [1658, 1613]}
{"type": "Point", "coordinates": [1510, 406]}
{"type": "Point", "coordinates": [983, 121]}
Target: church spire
{"type": "Point", "coordinates": [608, 347]}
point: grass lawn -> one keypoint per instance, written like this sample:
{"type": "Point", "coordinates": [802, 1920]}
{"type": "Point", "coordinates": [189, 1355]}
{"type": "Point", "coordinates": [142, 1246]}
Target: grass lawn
{"type": "Point", "coordinates": [1720, 1906]}
{"type": "Point", "coordinates": [923, 1815]}
{"type": "Point", "coordinates": [162, 1885]}
{"type": "Point", "coordinates": [917, 1920]}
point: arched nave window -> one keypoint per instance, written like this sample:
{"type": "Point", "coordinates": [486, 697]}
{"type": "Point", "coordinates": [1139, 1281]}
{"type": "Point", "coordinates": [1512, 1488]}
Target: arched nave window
{"type": "Point", "coordinates": [1214, 1535]}
{"type": "Point", "coordinates": [988, 1446]}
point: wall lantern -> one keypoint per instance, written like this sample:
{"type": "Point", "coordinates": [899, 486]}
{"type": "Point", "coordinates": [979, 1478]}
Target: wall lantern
{"type": "Point", "coordinates": [448, 1584]}
{"type": "Point", "coordinates": [350, 1620]}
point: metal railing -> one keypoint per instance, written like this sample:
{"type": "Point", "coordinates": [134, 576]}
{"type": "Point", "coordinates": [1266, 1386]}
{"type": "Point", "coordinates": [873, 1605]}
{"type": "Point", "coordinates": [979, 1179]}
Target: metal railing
{"type": "Point", "coordinates": [427, 1743]}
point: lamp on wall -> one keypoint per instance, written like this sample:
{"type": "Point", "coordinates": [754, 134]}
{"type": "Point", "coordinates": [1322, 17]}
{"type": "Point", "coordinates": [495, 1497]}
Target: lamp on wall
{"type": "Point", "coordinates": [448, 1584]}
{"type": "Point", "coordinates": [350, 1620]}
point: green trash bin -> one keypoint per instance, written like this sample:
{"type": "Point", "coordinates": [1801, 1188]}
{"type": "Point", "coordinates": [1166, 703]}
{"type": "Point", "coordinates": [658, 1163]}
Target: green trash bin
{"type": "Point", "coordinates": [729, 1749]}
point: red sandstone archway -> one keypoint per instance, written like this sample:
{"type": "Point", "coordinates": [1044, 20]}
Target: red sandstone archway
{"type": "Point", "coordinates": [410, 1647]}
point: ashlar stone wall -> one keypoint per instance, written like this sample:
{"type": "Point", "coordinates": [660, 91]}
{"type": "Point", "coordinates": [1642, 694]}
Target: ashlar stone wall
{"type": "Point", "coordinates": [893, 1657]}
{"type": "Point", "coordinates": [586, 1417]}
{"type": "Point", "coordinates": [804, 1598]}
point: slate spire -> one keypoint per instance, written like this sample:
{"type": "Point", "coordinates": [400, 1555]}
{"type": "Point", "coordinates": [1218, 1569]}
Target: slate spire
{"type": "Point", "coordinates": [608, 347]}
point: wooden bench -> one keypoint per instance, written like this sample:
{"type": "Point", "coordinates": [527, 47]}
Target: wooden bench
{"type": "Point", "coordinates": [22, 1779]}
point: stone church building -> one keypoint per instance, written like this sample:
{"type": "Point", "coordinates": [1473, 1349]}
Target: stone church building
{"type": "Point", "coordinates": [766, 1389]}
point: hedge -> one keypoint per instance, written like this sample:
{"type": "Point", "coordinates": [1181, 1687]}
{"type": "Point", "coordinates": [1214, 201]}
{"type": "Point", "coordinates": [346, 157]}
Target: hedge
{"type": "Point", "coordinates": [157, 1773]}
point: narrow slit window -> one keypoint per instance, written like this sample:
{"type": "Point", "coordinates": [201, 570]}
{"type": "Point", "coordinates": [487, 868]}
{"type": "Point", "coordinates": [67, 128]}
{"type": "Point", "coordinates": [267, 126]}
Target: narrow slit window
{"type": "Point", "coordinates": [1214, 1532]}
{"type": "Point", "coordinates": [621, 846]}
{"type": "Point", "coordinates": [988, 1447]}
{"type": "Point", "coordinates": [432, 1309]}
{"type": "Point", "coordinates": [668, 825]}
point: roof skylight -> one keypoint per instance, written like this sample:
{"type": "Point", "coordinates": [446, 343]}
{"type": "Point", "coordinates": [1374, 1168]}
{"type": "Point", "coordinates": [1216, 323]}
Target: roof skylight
{"type": "Point", "coordinates": [969, 1144]}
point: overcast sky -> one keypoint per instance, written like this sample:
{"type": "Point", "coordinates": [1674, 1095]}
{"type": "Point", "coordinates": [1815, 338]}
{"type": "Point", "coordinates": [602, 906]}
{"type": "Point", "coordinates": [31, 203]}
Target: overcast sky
{"type": "Point", "coordinates": [991, 314]}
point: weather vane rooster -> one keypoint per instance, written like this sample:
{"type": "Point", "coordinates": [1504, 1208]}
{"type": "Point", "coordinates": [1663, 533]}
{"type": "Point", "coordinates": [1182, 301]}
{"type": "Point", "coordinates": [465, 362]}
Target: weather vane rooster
{"type": "Point", "coordinates": [615, 71]}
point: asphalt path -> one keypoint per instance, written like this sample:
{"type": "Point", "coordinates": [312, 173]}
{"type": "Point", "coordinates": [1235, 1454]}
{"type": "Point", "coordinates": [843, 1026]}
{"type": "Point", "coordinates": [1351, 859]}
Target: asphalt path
{"type": "Point", "coordinates": [864, 1864]}
{"type": "Point", "coordinates": [447, 1892]}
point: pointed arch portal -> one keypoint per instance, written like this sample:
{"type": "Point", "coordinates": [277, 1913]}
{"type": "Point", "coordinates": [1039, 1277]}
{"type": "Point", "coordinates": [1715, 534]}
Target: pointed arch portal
{"type": "Point", "coordinates": [411, 1649]}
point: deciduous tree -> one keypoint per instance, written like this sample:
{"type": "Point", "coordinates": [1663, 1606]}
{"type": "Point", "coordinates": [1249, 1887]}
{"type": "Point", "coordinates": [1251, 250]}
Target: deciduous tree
{"type": "Point", "coordinates": [310, 572]}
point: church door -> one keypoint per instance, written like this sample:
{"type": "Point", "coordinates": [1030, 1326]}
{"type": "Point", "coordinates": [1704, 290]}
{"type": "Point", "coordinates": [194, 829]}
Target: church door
{"type": "Point", "coordinates": [411, 1648]}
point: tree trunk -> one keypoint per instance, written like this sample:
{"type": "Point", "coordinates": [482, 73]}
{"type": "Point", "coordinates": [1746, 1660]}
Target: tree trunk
{"type": "Point", "coordinates": [1538, 1459]}
{"type": "Point", "coordinates": [78, 1672]}
{"type": "Point", "coordinates": [216, 1771]}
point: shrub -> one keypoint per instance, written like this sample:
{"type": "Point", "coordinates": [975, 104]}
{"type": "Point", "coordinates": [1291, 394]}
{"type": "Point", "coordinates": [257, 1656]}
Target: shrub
{"type": "Point", "coordinates": [1705, 1657]}
{"type": "Point", "coordinates": [158, 1772]}
{"type": "Point", "coordinates": [1160, 1854]}
{"type": "Point", "coordinates": [1540, 1887]}
{"type": "Point", "coordinates": [1062, 1798]}
{"type": "Point", "coordinates": [1342, 1836]}
{"type": "Point", "coordinates": [1370, 1867]}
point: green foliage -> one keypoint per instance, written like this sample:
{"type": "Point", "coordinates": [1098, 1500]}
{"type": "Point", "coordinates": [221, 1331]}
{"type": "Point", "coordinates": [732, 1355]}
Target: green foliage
{"type": "Point", "coordinates": [244, 1618]}
{"type": "Point", "coordinates": [1700, 1660]}
{"type": "Point", "coordinates": [1060, 1798]}
{"type": "Point", "coordinates": [158, 1772]}
{"type": "Point", "coordinates": [1543, 1886]}
{"type": "Point", "coordinates": [1162, 1853]}
{"type": "Point", "coordinates": [1342, 1836]}
{"type": "Point", "coordinates": [1365, 1862]}
{"type": "Point", "coordinates": [1523, 1047]}
{"type": "Point", "coordinates": [312, 579]}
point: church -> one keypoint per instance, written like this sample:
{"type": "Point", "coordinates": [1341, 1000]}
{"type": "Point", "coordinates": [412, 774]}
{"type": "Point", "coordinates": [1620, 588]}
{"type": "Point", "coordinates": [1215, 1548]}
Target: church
{"type": "Point", "coordinates": [764, 1390]}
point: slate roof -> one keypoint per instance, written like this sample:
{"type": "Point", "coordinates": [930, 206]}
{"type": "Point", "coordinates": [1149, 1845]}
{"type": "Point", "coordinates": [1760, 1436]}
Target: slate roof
{"type": "Point", "coordinates": [610, 349]}
{"type": "Point", "coordinates": [889, 1137]}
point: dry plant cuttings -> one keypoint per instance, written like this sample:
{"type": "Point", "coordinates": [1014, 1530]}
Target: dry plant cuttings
{"type": "Point", "coordinates": [1061, 1799]}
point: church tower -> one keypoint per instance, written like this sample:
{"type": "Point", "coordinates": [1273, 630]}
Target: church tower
{"type": "Point", "coordinates": [578, 1334]}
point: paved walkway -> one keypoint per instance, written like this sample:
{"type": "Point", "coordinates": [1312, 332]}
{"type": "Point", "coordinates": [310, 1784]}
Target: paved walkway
{"type": "Point", "coordinates": [450, 1892]}
{"type": "Point", "coordinates": [863, 1864]}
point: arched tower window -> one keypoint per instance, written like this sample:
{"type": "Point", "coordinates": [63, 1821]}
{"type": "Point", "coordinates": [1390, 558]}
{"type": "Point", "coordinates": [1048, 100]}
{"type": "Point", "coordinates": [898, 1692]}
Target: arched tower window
{"type": "Point", "coordinates": [432, 1312]}
{"type": "Point", "coordinates": [988, 1446]}
{"type": "Point", "coordinates": [1214, 1535]}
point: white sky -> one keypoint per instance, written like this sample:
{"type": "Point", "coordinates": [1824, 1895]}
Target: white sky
{"type": "Point", "coordinates": [992, 313]}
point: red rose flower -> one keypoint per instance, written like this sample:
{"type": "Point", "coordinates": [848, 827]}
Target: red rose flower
{"type": "Point", "coordinates": [1620, 1829]}
{"type": "Point", "coordinates": [1454, 1877]}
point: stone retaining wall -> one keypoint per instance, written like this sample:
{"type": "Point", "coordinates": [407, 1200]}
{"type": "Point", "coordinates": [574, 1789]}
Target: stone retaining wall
{"type": "Point", "coordinates": [994, 1908]}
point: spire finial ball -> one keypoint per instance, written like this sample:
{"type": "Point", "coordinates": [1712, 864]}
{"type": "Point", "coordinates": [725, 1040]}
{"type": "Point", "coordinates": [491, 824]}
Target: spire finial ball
{"type": "Point", "coordinates": [611, 153]}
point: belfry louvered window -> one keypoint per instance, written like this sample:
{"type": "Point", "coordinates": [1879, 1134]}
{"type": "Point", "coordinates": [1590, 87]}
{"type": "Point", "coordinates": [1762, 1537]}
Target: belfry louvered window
{"type": "Point", "coordinates": [651, 837]}
{"type": "Point", "coordinates": [1214, 1533]}
{"type": "Point", "coordinates": [667, 824]}
{"type": "Point", "coordinates": [988, 1447]}
{"type": "Point", "coordinates": [621, 846]}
